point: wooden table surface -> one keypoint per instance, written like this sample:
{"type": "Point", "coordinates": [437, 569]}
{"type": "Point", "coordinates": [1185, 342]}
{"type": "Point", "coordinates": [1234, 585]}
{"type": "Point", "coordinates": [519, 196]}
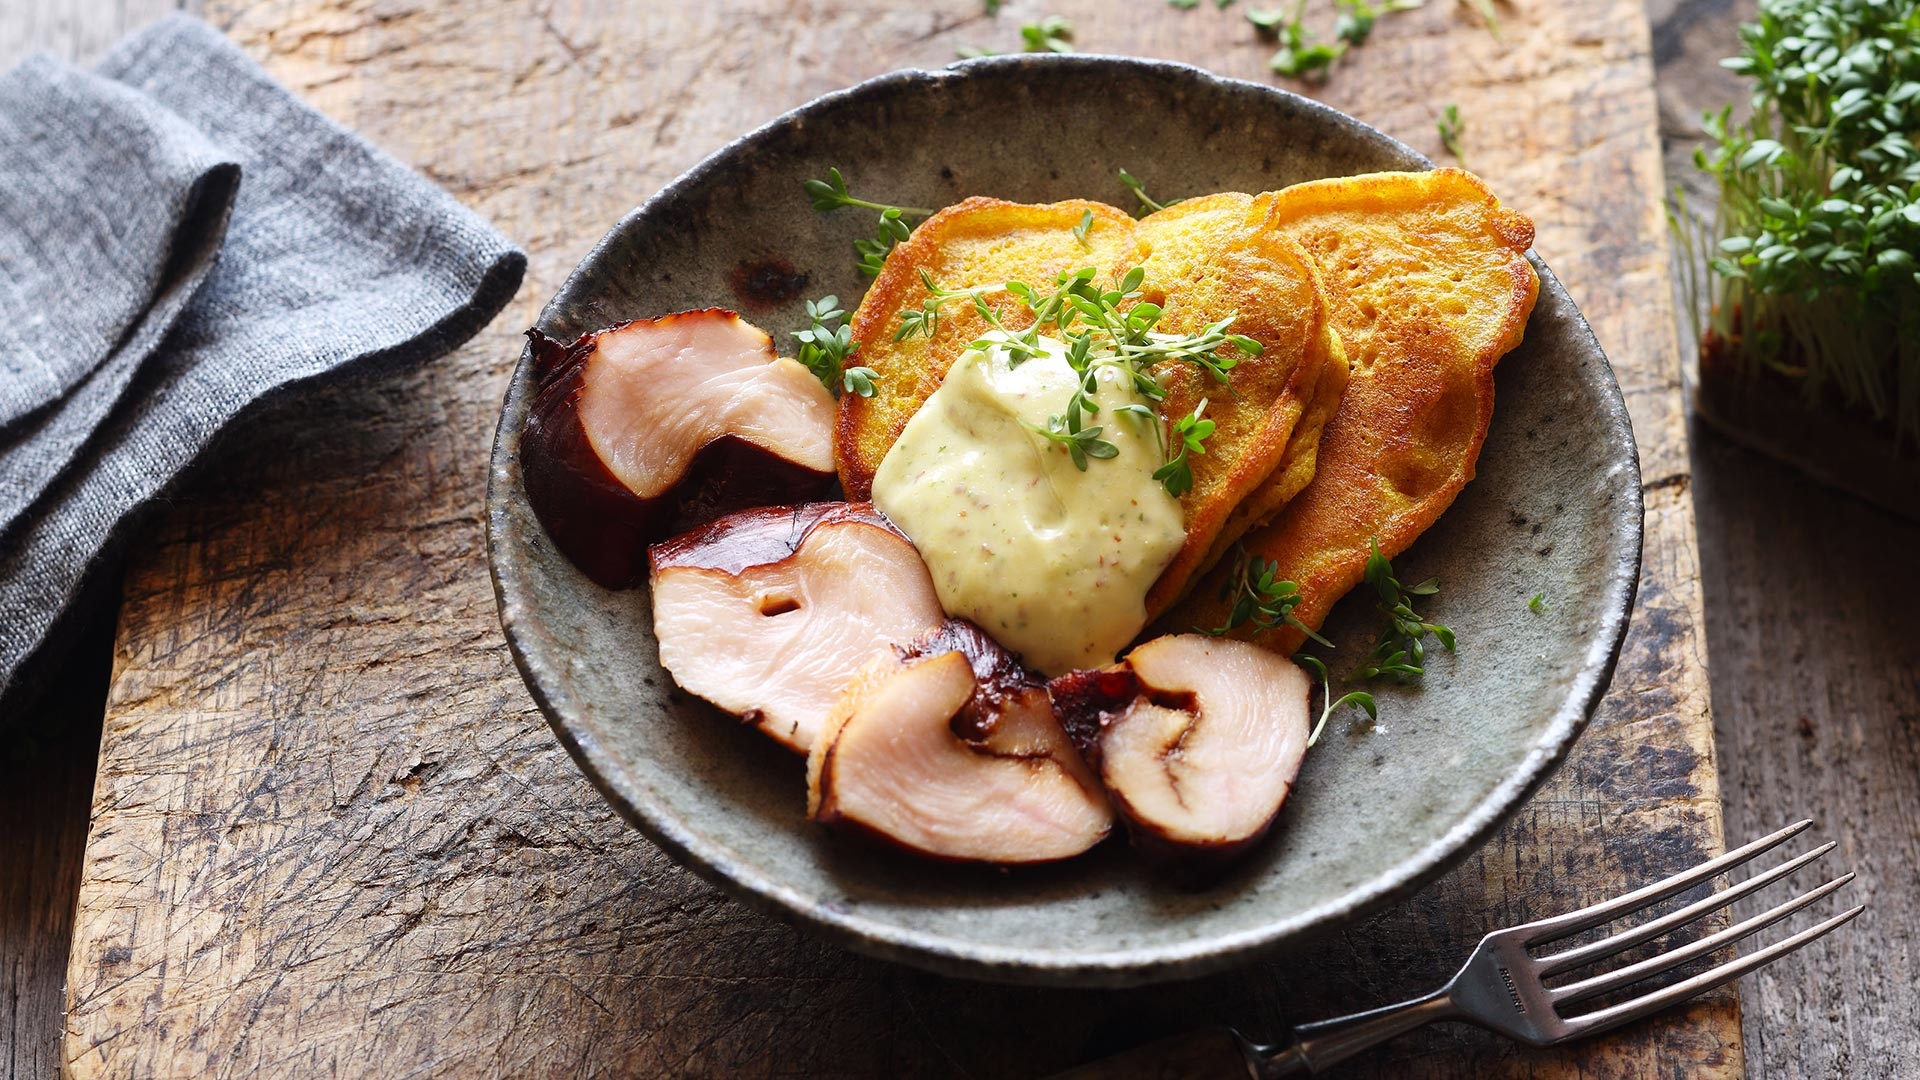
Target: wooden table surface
{"type": "Point", "coordinates": [331, 834]}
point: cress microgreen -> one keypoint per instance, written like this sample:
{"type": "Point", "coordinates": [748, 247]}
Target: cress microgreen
{"type": "Point", "coordinates": [1300, 55]}
{"type": "Point", "coordinates": [1811, 264]}
{"type": "Point", "coordinates": [859, 381]}
{"type": "Point", "coordinates": [825, 345]}
{"type": "Point", "coordinates": [1450, 126]}
{"type": "Point", "coordinates": [1081, 230]}
{"type": "Point", "coordinates": [1190, 433]}
{"type": "Point", "coordinates": [1081, 443]}
{"type": "Point", "coordinates": [1102, 329]}
{"type": "Point", "coordinates": [1147, 203]}
{"type": "Point", "coordinates": [1051, 34]}
{"type": "Point", "coordinates": [1538, 604]}
{"type": "Point", "coordinates": [1484, 9]}
{"type": "Point", "coordinates": [832, 194]}
{"type": "Point", "coordinates": [1401, 653]}
{"type": "Point", "coordinates": [1356, 18]}
{"type": "Point", "coordinates": [1359, 699]}
{"type": "Point", "coordinates": [1258, 598]}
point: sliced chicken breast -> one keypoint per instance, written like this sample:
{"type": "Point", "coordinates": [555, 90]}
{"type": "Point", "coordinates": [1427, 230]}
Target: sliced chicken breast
{"type": "Point", "coordinates": [653, 426]}
{"type": "Point", "coordinates": [933, 748]}
{"type": "Point", "coordinates": [769, 613]}
{"type": "Point", "coordinates": [1197, 739]}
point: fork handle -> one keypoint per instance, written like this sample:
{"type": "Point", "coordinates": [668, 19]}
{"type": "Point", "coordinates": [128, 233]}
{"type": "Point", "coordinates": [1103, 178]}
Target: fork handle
{"type": "Point", "coordinates": [1319, 1045]}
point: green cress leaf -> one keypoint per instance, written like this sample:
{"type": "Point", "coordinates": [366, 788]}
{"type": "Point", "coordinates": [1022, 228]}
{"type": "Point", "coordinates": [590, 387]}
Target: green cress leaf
{"type": "Point", "coordinates": [1258, 599]}
{"type": "Point", "coordinates": [1147, 203]}
{"type": "Point", "coordinates": [826, 344]}
{"type": "Point", "coordinates": [859, 381]}
{"type": "Point", "coordinates": [1401, 652]}
{"type": "Point", "coordinates": [1450, 127]}
{"type": "Point", "coordinates": [1356, 17]}
{"type": "Point", "coordinates": [1806, 273]}
{"type": "Point", "coordinates": [1051, 34]}
{"type": "Point", "coordinates": [1358, 699]}
{"type": "Point", "coordinates": [832, 194]}
{"type": "Point", "coordinates": [1267, 22]}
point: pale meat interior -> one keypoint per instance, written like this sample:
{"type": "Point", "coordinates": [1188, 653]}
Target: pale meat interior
{"type": "Point", "coordinates": [778, 643]}
{"type": "Point", "coordinates": [1218, 772]}
{"type": "Point", "coordinates": [892, 764]}
{"type": "Point", "coordinates": [655, 392]}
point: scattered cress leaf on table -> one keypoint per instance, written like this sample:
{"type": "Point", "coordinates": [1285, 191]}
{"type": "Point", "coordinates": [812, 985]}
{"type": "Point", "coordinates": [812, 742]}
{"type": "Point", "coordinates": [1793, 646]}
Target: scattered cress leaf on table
{"type": "Point", "coordinates": [1356, 18]}
{"type": "Point", "coordinates": [1267, 21]}
{"type": "Point", "coordinates": [1450, 126]}
{"type": "Point", "coordinates": [1051, 34]}
{"type": "Point", "coordinates": [1484, 9]}
{"type": "Point", "coordinates": [1538, 604]}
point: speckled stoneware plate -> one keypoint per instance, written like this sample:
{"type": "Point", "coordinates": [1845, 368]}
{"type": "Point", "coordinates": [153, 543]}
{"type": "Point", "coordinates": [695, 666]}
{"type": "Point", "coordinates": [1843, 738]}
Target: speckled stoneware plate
{"type": "Point", "coordinates": [1376, 814]}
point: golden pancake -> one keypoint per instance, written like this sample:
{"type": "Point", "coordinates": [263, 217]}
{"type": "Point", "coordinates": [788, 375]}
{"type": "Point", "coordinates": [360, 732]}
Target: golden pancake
{"type": "Point", "coordinates": [1429, 286]}
{"type": "Point", "coordinates": [1204, 259]}
{"type": "Point", "coordinates": [971, 243]}
{"type": "Point", "coordinates": [1211, 257]}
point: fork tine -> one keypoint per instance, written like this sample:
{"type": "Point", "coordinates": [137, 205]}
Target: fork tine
{"type": "Point", "coordinates": [1555, 963]}
{"type": "Point", "coordinates": [1541, 931]}
{"type": "Point", "coordinates": [1615, 1015]}
{"type": "Point", "coordinates": [1633, 973]}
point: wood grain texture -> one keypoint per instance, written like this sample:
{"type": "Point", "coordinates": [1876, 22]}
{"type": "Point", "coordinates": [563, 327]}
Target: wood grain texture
{"type": "Point", "coordinates": [47, 751]}
{"type": "Point", "coordinates": [1817, 704]}
{"type": "Point", "coordinates": [48, 745]}
{"type": "Point", "coordinates": [332, 835]}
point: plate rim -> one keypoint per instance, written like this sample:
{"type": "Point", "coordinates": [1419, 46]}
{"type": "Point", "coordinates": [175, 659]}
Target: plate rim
{"type": "Point", "coordinates": [1129, 966]}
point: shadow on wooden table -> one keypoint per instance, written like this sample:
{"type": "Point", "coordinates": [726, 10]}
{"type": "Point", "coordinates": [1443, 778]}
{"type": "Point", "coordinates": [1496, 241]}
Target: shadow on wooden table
{"type": "Point", "coordinates": [48, 747]}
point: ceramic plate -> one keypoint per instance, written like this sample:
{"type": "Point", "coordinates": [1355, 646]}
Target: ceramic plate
{"type": "Point", "coordinates": [1377, 812]}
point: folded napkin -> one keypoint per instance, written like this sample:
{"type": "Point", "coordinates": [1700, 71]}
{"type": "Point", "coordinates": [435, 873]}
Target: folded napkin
{"type": "Point", "coordinates": [179, 239]}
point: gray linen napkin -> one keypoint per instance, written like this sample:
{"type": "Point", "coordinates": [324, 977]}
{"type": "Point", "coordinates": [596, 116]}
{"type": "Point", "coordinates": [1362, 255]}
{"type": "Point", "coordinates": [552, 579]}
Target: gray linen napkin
{"type": "Point", "coordinates": [336, 259]}
{"type": "Point", "coordinates": [90, 289]}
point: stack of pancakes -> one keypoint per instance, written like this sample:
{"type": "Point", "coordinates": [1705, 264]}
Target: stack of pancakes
{"type": "Point", "coordinates": [1382, 303]}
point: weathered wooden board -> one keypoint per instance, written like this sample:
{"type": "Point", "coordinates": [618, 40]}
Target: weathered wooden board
{"type": "Point", "coordinates": [48, 746]}
{"type": "Point", "coordinates": [1817, 705]}
{"type": "Point", "coordinates": [332, 835]}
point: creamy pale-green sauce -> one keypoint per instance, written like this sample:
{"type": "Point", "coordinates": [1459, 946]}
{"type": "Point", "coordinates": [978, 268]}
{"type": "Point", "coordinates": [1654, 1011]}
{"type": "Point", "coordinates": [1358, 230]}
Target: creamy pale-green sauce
{"type": "Point", "coordinates": [1052, 561]}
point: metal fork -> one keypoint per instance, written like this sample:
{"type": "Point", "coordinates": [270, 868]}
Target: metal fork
{"type": "Point", "coordinates": [1502, 985]}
